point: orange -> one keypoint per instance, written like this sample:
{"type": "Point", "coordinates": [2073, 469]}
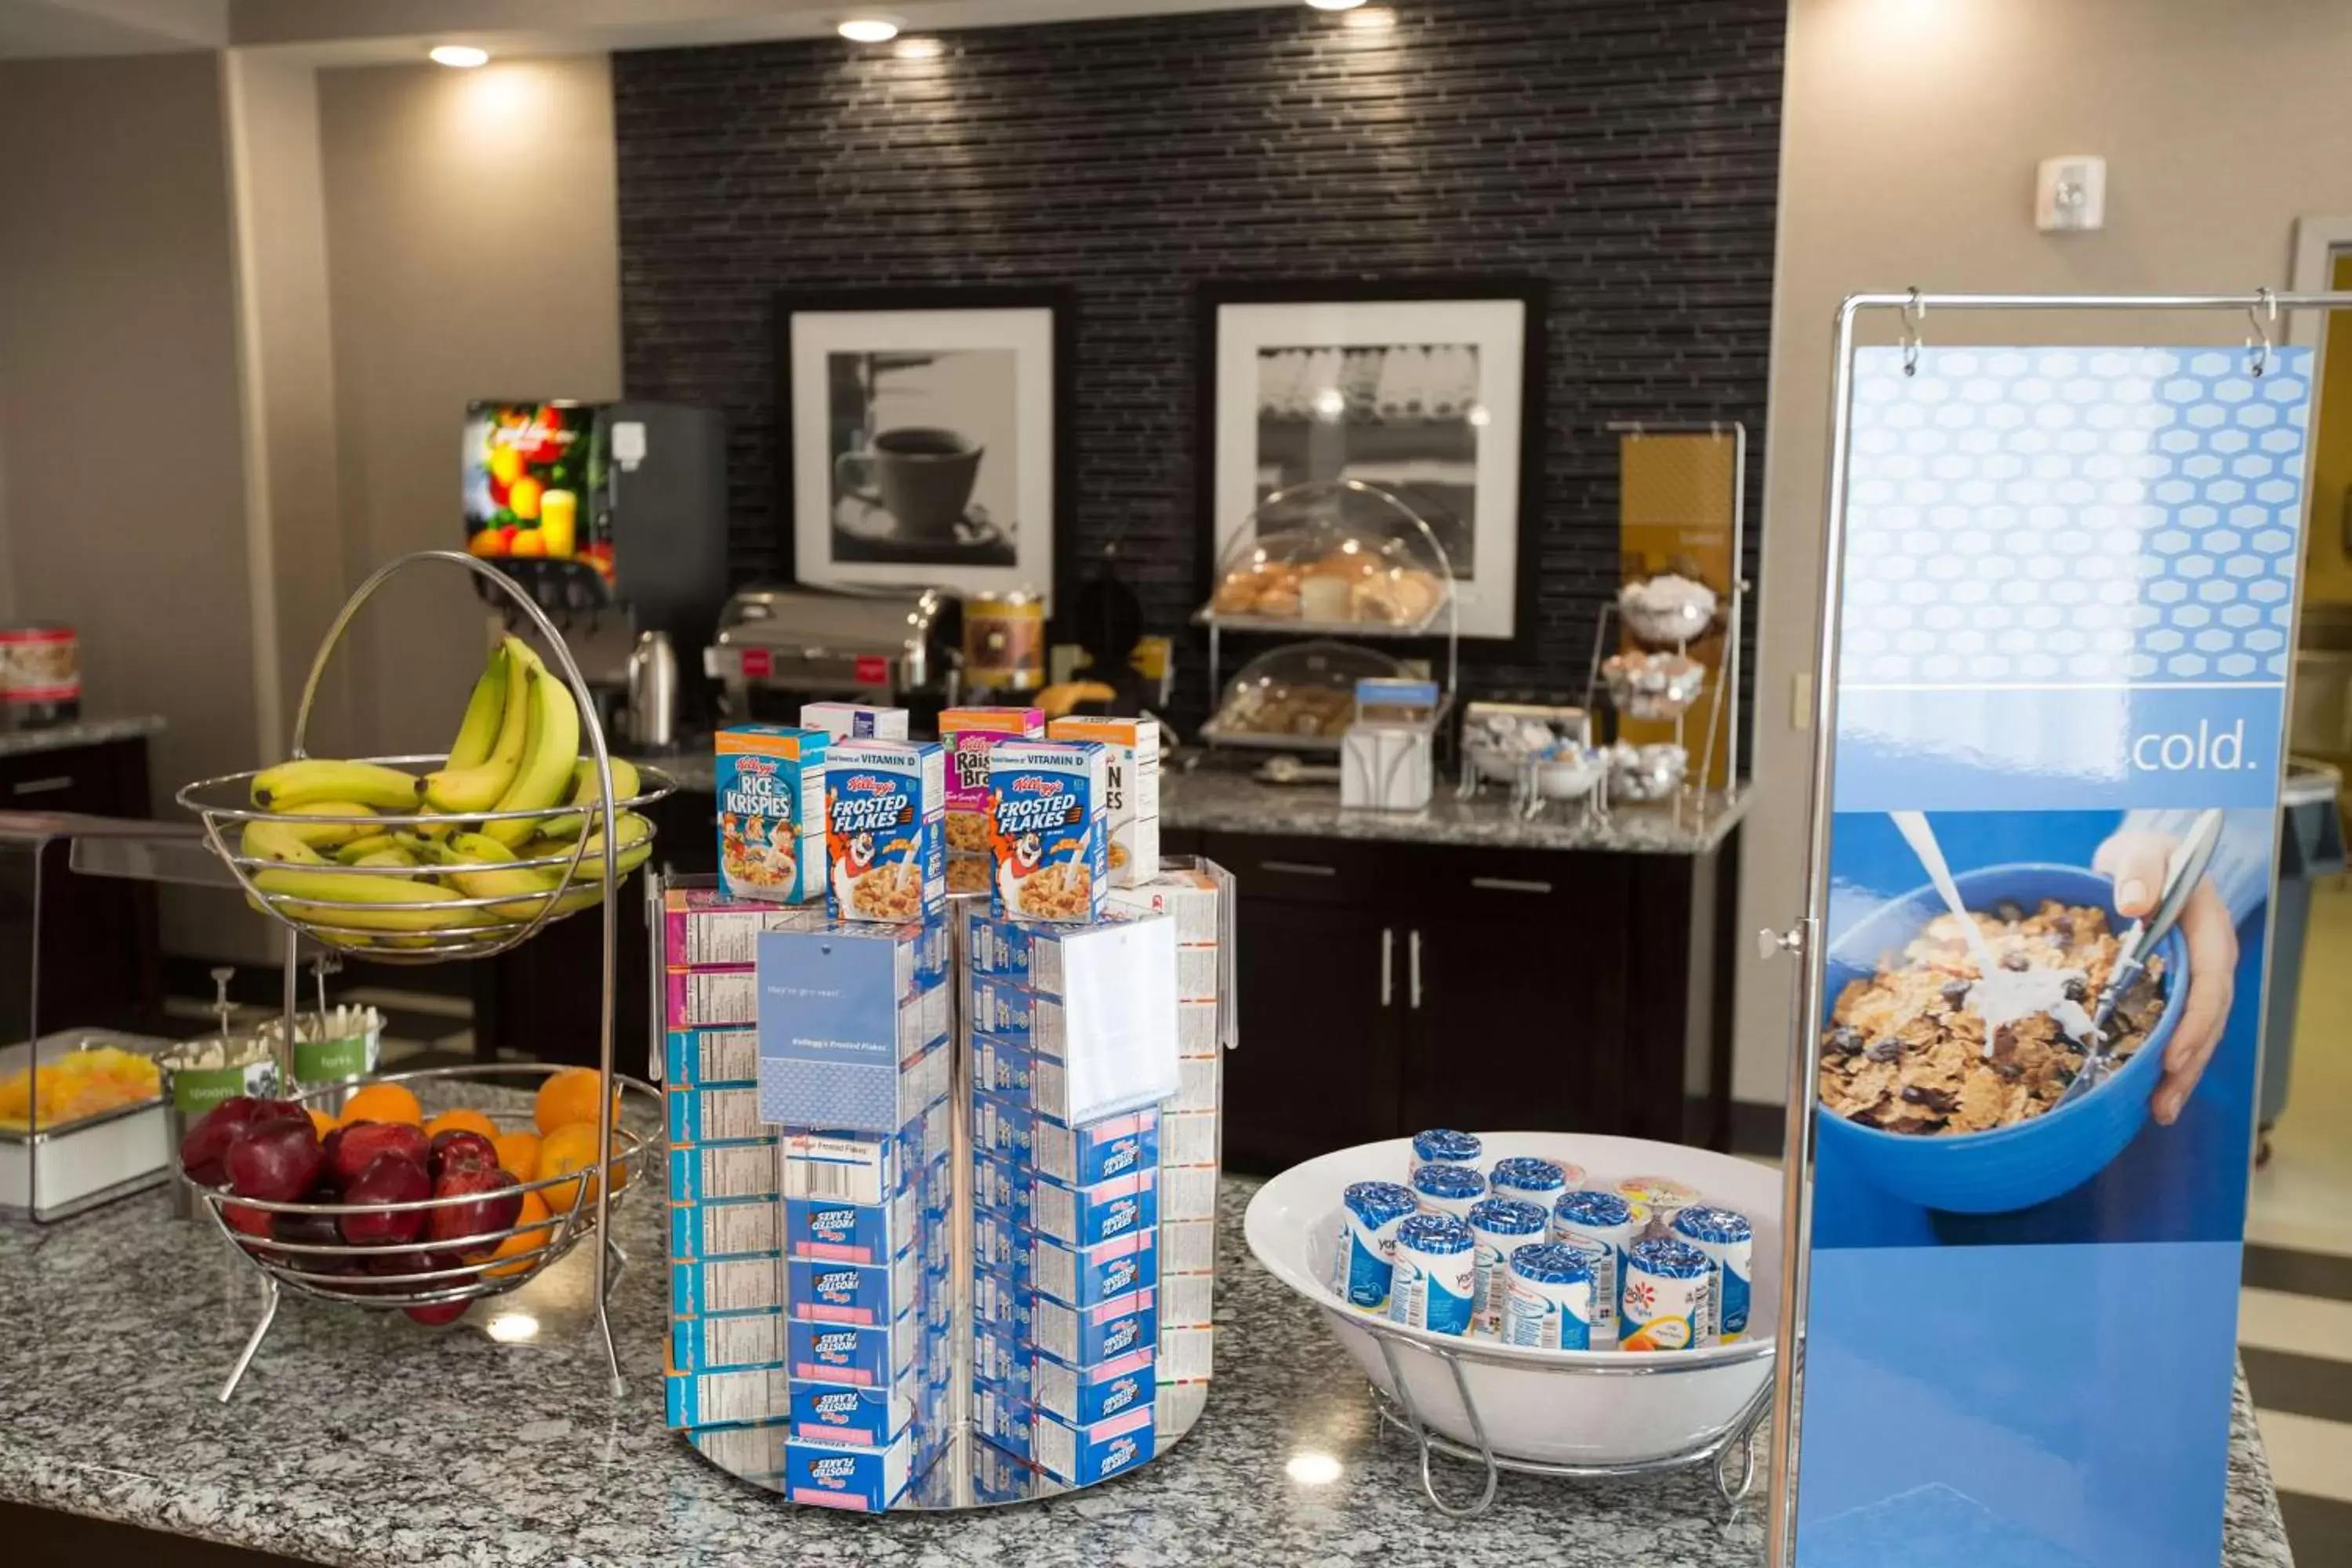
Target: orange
{"type": "Point", "coordinates": [569, 1149]}
{"type": "Point", "coordinates": [384, 1102]}
{"type": "Point", "coordinates": [320, 1119]}
{"type": "Point", "coordinates": [524, 1241]}
{"type": "Point", "coordinates": [462, 1120]}
{"type": "Point", "coordinates": [518, 1155]}
{"type": "Point", "coordinates": [568, 1098]}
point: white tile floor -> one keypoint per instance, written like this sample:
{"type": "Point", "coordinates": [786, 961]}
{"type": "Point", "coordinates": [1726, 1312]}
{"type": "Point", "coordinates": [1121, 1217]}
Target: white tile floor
{"type": "Point", "coordinates": [2300, 1201]}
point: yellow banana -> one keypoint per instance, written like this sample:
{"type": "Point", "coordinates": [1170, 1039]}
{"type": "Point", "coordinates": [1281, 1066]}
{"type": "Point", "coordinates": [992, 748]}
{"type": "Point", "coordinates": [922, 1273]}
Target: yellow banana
{"type": "Point", "coordinates": [316, 779]}
{"type": "Point", "coordinates": [465, 790]}
{"type": "Point", "coordinates": [392, 855]}
{"type": "Point", "coordinates": [277, 841]}
{"type": "Point", "coordinates": [585, 792]}
{"type": "Point", "coordinates": [327, 835]}
{"type": "Point", "coordinates": [338, 899]}
{"type": "Point", "coordinates": [477, 732]}
{"type": "Point", "coordinates": [481, 866]}
{"type": "Point", "coordinates": [359, 849]}
{"type": "Point", "coordinates": [548, 755]}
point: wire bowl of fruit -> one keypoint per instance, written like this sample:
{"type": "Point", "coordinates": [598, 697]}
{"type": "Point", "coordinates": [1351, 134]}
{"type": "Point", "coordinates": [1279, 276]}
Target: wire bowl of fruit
{"type": "Point", "coordinates": [400, 1205]}
{"type": "Point", "coordinates": [413, 859]}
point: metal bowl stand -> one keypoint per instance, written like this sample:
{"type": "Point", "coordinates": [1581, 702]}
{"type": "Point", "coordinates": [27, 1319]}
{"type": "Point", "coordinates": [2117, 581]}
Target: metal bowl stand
{"type": "Point", "coordinates": [607, 1256]}
{"type": "Point", "coordinates": [1732, 1450]}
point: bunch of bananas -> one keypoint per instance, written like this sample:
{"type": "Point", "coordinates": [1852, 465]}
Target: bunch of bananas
{"type": "Point", "coordinates": [517, 751]}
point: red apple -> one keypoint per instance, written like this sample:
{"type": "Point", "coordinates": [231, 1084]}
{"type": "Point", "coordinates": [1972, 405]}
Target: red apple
{"type": "Point", "coordinates": [206, 1145]}
{"type": "Point", "coordinates": [497, 1209]}
{"type": "Point", "coordinates": [362, 1144]}
{"type": "Point", "coordinates": [438, 1315]}
{"type": "Point", "coordinates": [275, 1161]}
{"type": "Point", "coordinates": [310, 1230]}
{"type": "Point", "coordinates": [389, 1178]}
{"type": "Point", "coordinates": [460, 1149]}
{"type": "Point", "coordinates": [246, 1218]}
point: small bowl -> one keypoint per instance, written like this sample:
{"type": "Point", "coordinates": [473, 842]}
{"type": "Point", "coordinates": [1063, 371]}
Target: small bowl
{"type": "Point", "coordinates": [2029, 1163]}
{"type": "Point", "coordinates": [1647, 772]}
{"type": "Point", "coordinates": [1568, 778]}
{"type": "Point", "coordinates": [1566, 1407]}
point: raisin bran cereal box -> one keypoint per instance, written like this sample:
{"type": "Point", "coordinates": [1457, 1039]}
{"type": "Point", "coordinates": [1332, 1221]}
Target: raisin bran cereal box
{"type": "Point", "coordinates": [770, 786]}
{"type": "Point", "coordinates": [1131, 806]}
{"type": "Point", "coordinates": [968, 733]}
{"type": "Point", "coordinates": [1045, 805]}
{"type": "Point", "coordinates": [885, 801]}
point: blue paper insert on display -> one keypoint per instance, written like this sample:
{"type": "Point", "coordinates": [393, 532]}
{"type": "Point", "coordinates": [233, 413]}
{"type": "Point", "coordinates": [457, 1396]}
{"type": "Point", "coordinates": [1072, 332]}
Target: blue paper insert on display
{"type": "Point", "coordinates": [2067, 600]}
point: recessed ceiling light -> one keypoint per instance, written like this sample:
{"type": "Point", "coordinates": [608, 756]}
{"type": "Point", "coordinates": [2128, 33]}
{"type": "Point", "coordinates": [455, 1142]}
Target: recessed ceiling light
{"type": "Point", "coordinates": [464, 57]}
{"type": "Point", "coordinates": [1334, 5]}
{"type": "Point", "coordinates": [867, 29]}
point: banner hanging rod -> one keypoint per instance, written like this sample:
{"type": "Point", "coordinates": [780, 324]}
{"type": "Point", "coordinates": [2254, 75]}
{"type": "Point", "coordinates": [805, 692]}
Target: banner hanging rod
{"type": "Point", "coordinates": [2261, 299]}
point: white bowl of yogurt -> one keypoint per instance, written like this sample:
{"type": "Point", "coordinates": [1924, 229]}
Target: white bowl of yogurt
{"type": "Point", "coordinates": [1564, 1407]}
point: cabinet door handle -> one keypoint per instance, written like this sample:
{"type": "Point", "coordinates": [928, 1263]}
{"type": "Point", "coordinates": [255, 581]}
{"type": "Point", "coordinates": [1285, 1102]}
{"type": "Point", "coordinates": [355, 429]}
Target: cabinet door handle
{"type": "Point", "coordinates": [1299, 867]}
{"type": "Point", "coordinates": [43, 786]}
{"type": "Point", "coordinates": [1509, 885]}
{"type": "Point", "coordinates": [1388, 964]}
{"type": "Point", "coordinates": [1413, 962]}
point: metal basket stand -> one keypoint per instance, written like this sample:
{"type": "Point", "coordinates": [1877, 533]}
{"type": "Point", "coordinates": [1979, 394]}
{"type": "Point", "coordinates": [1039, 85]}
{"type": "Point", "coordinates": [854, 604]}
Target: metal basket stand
{"type": "Point", "coordinates": [1730, 1450]}
{"type": "Point", "coordinates": [216, 806]}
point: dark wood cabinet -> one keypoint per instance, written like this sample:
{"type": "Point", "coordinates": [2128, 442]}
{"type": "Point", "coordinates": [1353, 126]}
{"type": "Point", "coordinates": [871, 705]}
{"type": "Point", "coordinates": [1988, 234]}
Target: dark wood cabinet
{"type": "Point", "coordinates": [1317, 1070]}
{"type": "Point", "coordinates": [100, 963]}
{"type": "Point", "coordinates": [1386, 987]}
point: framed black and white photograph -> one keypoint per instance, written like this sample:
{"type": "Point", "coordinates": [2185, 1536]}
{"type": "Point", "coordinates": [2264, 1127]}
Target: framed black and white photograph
{"type": "Point", "coordinates": [922, 437]}
{"type": "Point", "coordinates": [1431, 391]}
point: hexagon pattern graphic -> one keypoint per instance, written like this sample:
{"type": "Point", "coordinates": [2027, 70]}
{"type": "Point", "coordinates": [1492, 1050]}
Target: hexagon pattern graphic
{"type": "Point", "coordinates": [2087, 517]}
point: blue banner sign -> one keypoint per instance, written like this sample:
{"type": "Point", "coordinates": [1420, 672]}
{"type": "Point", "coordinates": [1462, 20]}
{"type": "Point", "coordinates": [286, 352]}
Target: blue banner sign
{"type": "Point", "coordinates": [2067, 606]}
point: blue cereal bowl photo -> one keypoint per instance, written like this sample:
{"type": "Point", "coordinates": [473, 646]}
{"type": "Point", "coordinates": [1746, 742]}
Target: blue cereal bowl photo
{"type": "Point", "coordinates": [2030, 1161]}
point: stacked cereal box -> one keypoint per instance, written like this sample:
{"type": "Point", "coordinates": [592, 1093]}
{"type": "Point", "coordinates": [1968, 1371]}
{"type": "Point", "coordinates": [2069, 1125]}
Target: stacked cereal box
{"type": "Point", "coordinates": [854, 1070]}
{"type": "Point", "coordinates": [1066, 1239]}
{"type": "Point", "coordinates": [726, 1344]}
{"type": "Point", "coordinates": [855, 721]}
{"type": "Point", "coordinates": [1197, 895]}
{"type": "Point", "coordinates": [771, 788]}
{"type": "Point", "coordinates": [968, 733]}
{"type": "Point", "coordinates": [884, 804]}
{"type": "Point", "coordinates": [1047, 832]}
{"type": "Point", "coordinates": [1131, 799]}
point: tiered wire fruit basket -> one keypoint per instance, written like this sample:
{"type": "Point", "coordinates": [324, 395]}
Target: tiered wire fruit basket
{"type": "Point", "coordinates": [433, 919]}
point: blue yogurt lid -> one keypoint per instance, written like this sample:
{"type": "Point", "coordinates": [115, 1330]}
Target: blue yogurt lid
{"type": "Point", "coordinates": [1526, 1173]}
{"type": "Point", "coordinates": [1448, 1182]}
{"type": "Point", "coordinates": [1595, 1208]}
{"type": "Point", "coordinates": [1705, 1221]}
{"type": "Point", "coordinates": [1435, 1233]}
{"type": "Point", "coordinates": [1378, 1203]}
{"type": "Point", "coordinates": [1549, 1263]}
{"type": "Point", "coordinates": [1506, 1216]}
{"type": "Point", "coordinates": [1667, 1257]}
{"type": "Point", "coordinates": [1444, 1143]}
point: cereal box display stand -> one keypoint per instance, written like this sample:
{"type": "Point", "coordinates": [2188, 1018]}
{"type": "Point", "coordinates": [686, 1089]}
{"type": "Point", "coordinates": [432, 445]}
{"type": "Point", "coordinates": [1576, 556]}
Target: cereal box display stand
{"type": "Point", "coordinates": [1327, 559]}
{"type": "Point", "coordinates": [435, 919]}
{"type": "Point", "coordinates": [1006, 1297]}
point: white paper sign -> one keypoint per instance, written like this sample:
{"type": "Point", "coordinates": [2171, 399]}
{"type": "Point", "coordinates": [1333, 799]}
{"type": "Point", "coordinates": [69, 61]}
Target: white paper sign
{"type": "Point", "coordinates": [1118, 1008]}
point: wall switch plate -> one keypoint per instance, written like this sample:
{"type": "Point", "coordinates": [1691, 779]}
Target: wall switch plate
{"type": "Point", "coordinates": [2070, 194]}
{"type": "Point", "coordinates": [1801, 700]}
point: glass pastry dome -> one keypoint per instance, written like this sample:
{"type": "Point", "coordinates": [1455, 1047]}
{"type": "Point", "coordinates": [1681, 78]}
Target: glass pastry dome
{"type": "Point", "coordinates": [1333, 555]}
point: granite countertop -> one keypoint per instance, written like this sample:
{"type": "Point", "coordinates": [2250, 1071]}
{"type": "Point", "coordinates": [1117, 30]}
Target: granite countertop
{"type": "Point", "coordinates": [78, 732]}
{"type": "Point", "coordinates": [1217, 799]}
{"type": "Point", "coordinates": [360, 1440]}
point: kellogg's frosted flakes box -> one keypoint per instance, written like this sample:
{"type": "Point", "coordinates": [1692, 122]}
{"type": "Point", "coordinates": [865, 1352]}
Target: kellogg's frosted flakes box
{"type": "Point", "coordinates": [884, 802]}
{"type": "Point", "coordinates": [1046, 830]}
{"type": "Point", "coordinates": [771, 786]}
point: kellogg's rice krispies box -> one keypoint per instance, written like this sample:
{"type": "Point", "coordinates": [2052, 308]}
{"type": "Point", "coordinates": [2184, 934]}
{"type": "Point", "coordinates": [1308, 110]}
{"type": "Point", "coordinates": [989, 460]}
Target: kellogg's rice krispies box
{"type": "Point", "coordinates": [771, 785]}
{"type": "Point", "coordinates": [885, 801]}
{"type": "Point", "coordinates": [1131, 808]}
{"type": "Point", "coordinates": [1045, 801]}
{"type": "Point", "coordinates": [968, 733]}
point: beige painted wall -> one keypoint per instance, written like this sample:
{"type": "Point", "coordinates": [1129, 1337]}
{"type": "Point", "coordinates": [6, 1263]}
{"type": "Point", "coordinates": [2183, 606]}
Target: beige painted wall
{"type": "Point", "coordinates": [121, 462]}
{"type": "Point", "coordinates": [1912, 132]}
{"type": "Point", "coordinates": [472, 251]}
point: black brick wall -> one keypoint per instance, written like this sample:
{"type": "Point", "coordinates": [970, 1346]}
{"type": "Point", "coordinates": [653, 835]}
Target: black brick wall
{"type": "Point", "coordinates": [1625, 151]}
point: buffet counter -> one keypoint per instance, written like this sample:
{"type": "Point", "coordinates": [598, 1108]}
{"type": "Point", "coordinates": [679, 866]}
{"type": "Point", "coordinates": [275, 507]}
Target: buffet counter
{"type": "Point", "coordinates": [365, 1441]}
